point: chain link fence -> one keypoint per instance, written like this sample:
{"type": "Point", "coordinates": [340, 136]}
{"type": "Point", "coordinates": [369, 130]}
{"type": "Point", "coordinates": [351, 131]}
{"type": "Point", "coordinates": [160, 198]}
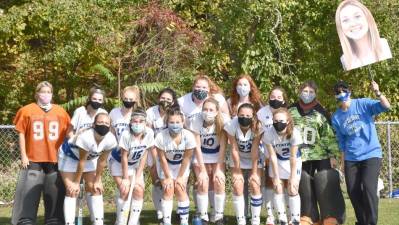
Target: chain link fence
{"type": "Point", "coordinates": [10, 163]}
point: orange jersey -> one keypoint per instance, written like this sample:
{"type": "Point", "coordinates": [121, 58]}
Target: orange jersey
{"type": "Point", "coordinates": [44, 131]}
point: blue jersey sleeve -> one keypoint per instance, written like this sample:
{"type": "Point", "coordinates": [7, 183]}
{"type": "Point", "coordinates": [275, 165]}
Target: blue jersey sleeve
{"type": "Point", "coordinates": [340, 137]}
{"type": "Point", "coordinates": [374, 107]}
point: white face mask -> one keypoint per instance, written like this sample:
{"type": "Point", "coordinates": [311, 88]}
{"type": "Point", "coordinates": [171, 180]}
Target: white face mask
{"type": "Point", "coordinates": [208, 116]}
{"type": "Point", "coordinates": [242, 90]}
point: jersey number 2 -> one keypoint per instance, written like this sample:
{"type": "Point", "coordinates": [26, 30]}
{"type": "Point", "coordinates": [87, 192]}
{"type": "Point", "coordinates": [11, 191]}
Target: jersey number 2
{"type": "Point", "coordinates": [38, 130]}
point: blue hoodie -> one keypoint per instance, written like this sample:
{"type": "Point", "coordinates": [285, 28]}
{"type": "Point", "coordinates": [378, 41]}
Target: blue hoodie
{"type": "Point", "coordinates": [355, 129]}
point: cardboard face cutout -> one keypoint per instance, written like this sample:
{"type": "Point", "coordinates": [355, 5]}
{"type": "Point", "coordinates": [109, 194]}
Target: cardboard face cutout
{"type": "Point", "coordinates": [360, 40]}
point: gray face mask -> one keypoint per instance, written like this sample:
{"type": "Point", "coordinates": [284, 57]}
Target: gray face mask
{"type": "Point", "coordinates": [307, 97]}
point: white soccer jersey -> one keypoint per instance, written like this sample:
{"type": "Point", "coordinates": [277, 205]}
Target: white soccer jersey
{"type": "Point", "coordinates": [81, 119]}
{"type": "Point", "coordinates": [174, 153]}
{"type": "Point", "coordinates": [190, 109]}
{"type": "Point", "coordinates": [119, 122]}
{"type": "Point", "coordinates": [87, 142]}
{"type": "Point", "coordinates": [155, 120]}
{"type": "Point", "coordinates": [209, 141]}
{"type": "Point", "coordinates": [282, 147]}
{"type": "Point", "coordinates": [265, 116]}
{"type": "Point", "coordinates": [244, 143]}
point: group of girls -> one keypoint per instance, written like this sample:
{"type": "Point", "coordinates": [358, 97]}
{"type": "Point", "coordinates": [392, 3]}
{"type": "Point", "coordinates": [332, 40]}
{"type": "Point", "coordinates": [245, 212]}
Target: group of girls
{"type": "Point", "coordinates": [200, 132]}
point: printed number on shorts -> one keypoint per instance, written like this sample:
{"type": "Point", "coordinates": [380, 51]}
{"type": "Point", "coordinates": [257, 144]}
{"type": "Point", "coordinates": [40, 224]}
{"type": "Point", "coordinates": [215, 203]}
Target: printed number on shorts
{"type": "Point", "coordinates": [38, 130]}
{"type": "Point", "coordinates": [177, 157]}
{"type": "Point", "coordinates": [209, 141]}
{"type": "Point", "coordinates": [245, 147]}
{"type": "Point", "coordinates": [309, 135]}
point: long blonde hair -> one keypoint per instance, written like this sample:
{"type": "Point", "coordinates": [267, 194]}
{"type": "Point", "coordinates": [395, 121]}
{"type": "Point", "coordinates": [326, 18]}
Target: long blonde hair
{"type": "Point", "coordinates": [373, 33]}
{"type": "Point", "coordinates": [135, 89]}
{"type": "Point", "coordinates": [218, 118]}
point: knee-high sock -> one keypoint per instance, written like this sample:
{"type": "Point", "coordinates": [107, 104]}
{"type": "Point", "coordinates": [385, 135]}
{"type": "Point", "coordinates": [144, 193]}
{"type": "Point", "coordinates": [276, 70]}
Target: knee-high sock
{"type": "Point", "coordinates": [238, 203]}
{"type": "Point", "coordinates": [69, 210]}
{"type": "Point", "coordinates": [279, 205]}
{"type": "Point", "coordinates": [90, 205]}
{"type": "Point", "coordinates": [156, 199]}
{"type": "Point", "coordinates": [256, 206]}
{"type": "Point", "coordinates": [268, 194]}
{"type": "Point", "coordinates": [202, 205]}
{"type": "Point", "coordinates": [98, 209]}
{"type": "Point", "coordinates": [211, 196]}
{"type": "Point", "coordinates": [219, 206]}
{"type": "Point", "coordinates": [295, 208]}
{"type": "Point", "coordinates": [167, 207]}
{"type": "Point", "coordinates": [122, 211]}
{"type": "Point", "coordinates": [184, 209]}
{"type": "Point", "coordinates": [135, 211]}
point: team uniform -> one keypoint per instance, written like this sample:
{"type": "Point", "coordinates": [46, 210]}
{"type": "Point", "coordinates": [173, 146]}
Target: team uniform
{"type": "Point", "coordinates": [209, 141]}
{"type": "Point", "coordinates": [282, 147]}
{"type": "Point", "coordinates": [69, 157]}
{"type": "Point", "coordinates": [244, 143]}
{"type": "Point", "coordinates": [82, 120]}
{"type": "Point", "coordinates": [44, 132]}
{"type": "Point", "coordinates": [119, 122]}
{"type": "Point", "coordinates": [190, 109]}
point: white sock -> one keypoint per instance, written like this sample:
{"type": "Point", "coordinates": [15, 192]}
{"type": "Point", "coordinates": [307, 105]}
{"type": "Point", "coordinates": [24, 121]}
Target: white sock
{"type": "Point", "coordinates": [295, 207]}
{"type": "Point", "coordinates": [135, 210]}
{"type": "Point", "coordinates": [256, 206]}
{"type": "Point", "coordinates": [268, 194]}
{"type": "Point", "coordinates": [69, 210]}
{"type": "Point", "coordinates": [219, 206]}
{"type": "Point", "coordinates": [90, 205]}
{"type": "Point", "coordinates": [202, 201]}
{"type": "Point", "coordinates": [238, 204]}
{"type": "Point", "coordinates": [98, 209]}
{"type": "Point", "coordinates": [211, 196]}
{"type": "Point", "coordinates": [156, 199]}
{"type": "Point", "coordinates": [167, 207]}
{"type": "Point", "coordinates": [184, 209]}
{"type": "Point", "coordinates": [122, 211]}
{"type": "Point", "coordinates": [286, 199]}
{"type": "Point", "coordinates": [279, 205]}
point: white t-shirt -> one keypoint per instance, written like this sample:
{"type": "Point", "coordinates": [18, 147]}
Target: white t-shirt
{"type": "Point", "coordinates": [135, 147]}
{"type": "Point", "coordinates": [174, 153]}
{"type": "Point", "coordinates": [119, 122]}
{"type": "Point", "coordinates": [190, 109]}
{"type": "Point", "coordinates": [154, 118]}
{"type": "Point", "coordinates": [81, 119]}
{"type": "Point", "coordinates": [209, 140]}
{"type": "Point", "coordinates": [281, 145]}
{"type": "Point", "coordinates": [265, 116]}
{"type": "Point", "coordinates": [86, 141]}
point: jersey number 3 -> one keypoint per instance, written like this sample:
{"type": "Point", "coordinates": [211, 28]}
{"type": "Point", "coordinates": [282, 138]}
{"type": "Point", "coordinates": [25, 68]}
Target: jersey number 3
{"type": "Point", "coordinates": [38, 130]}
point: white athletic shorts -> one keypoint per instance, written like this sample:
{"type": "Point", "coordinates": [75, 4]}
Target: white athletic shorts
{"type": "Point", "coordinates": [246, 163]}
{"type": "Point", "coordinates": [68, 164]}
{"type": "Point", "coordinates": [284, 169]}
{"type": "Point", "coordinates": [115, 168]}
{"type": "Point", "coordinates": [174, 170]}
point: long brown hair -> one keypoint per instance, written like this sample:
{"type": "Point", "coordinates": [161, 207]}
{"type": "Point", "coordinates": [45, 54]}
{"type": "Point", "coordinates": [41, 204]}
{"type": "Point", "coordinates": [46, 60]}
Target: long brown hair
{"type": "Point", "coordinates": [218, 118]}
{"type": "Point", "coordinates": [213, 87]}
{"type": "Point", "coordinates": [255, 122]}
{"type": "Point", "coordinates": [285, 96]}
{"type": "Point", "coordinates": [254, 95]}
{"type": "Point", "coordinates": [290, 121]}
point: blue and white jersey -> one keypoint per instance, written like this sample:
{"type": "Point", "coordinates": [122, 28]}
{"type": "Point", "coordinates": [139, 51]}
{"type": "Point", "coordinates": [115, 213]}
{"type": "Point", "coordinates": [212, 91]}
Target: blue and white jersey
{"type": "Point", "coordinates": [119, 122]}
{"type": "Point", "coordinates": [173, 152]}
{"type": "Point", "coordinates": [210, 145]}
{"type": "Point", "coordinates": [82, 120]}
{"type": "Point", "coordinates": [281, 145]}
{"type": "Point", "coordinates": [155, 120]}
{"type": "Point", "coordinates": [135, 147]}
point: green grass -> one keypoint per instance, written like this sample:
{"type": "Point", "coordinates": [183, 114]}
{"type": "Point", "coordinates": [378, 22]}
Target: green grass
{"type": "Point", "coordinates": [388, 214]}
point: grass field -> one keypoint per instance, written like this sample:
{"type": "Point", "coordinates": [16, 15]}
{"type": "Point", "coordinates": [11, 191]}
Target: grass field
{"type": "Point", "coordinates": [388, 214]}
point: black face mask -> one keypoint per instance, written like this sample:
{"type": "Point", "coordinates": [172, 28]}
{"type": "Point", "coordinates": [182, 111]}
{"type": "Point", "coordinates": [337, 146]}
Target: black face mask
{"type": "Point", "coordinates": [128, 105]}
{"type": "Point", "coordinates": [279, 126]}
{"type": "Point", "coordinates": [102, 130]}
{"type": "Point", "coordinates": [244, 121]}
{"type": "Point", "coordinates": [200, 94]}
{"type": "Point", "coordinates": [275, 104]}
{"type": "Point", "coordinates": [164, 104]}
{"type": "Point", "coordinates": [95, 105]}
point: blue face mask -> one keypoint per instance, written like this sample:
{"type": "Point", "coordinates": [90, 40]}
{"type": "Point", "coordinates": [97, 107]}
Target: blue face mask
{"type": "Point", "coordinates": [137, 128]}
{"type": "Point", "coordinates": [343, 96]}
{"type": "Point", "coordinates": [200, 94]}
{"type": "Point", "coordinates": [175, 127]}
{"type": "Point", "coordinates": [307, 97]}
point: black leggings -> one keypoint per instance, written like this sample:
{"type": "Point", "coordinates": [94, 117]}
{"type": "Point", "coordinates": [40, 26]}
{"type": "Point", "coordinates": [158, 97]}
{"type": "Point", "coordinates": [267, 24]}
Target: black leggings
{"type": "Point", "coordinates": [361, 182]}
{"type": "Point", "coordinates": [316, 165]}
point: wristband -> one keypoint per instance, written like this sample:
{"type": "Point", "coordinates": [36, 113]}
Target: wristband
{"type": "Point", "coordinates": [378, 93]}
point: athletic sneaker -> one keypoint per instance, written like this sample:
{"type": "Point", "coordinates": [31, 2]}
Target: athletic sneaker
{"type": "Point", "coordinates": [269, 221]}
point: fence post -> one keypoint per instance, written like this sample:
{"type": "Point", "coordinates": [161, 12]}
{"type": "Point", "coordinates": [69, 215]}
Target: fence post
{"type": "Point", "coordinates": [389, 157]}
